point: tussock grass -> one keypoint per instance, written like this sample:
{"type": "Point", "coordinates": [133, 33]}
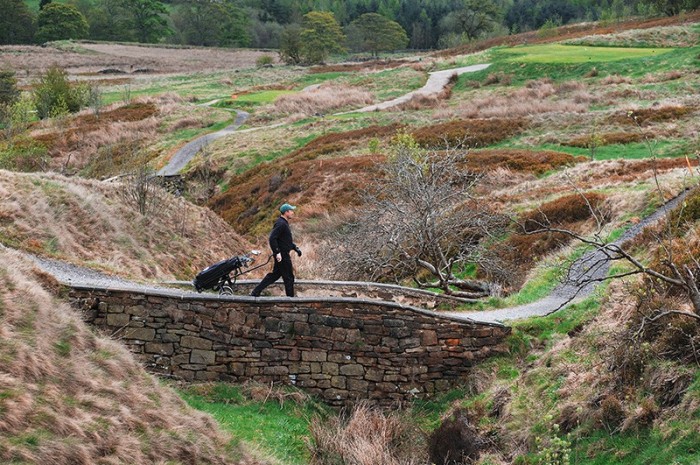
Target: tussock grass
{"type": "Point", "coordinates": [70, 397]}
{"type": "Point", "coordinates": [367, 437]}
{"type": "Point", "coordinates": [541, 96]}
{"type": "Point", "coordinates": [324, 99]}
{"type": "Point", "coordinates": [88, 221]}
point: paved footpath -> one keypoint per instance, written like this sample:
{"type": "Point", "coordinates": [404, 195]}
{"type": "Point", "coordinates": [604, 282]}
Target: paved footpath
{"type": "Point", "coordinates": [584, 276]}
{"type": "Point", "coordinates": [187, 152]}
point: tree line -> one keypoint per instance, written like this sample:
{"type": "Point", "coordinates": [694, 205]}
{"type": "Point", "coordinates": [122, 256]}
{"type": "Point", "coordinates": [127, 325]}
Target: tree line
{"type": "Point", "coordinates": [426, 24]}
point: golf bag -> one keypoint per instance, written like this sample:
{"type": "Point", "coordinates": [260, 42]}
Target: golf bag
{"type": "Point", "coordinates": [217, 277]}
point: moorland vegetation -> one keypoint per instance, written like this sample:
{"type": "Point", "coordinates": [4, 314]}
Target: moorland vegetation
{"type": "Point", "coordinates": [564, 145]}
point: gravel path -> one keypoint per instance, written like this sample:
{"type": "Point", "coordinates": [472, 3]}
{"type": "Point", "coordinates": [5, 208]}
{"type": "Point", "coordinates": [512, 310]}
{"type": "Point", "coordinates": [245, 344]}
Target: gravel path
{"type": "Point", "coordinates": [186, 153]}
{"type": "Point", "coordinates": [580, 282]}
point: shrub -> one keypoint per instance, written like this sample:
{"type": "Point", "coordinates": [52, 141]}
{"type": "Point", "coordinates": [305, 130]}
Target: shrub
{"type": "Point", "coordinates": [611, 414]}
{"type": "Point", "coordinates": [23, 155]}
{"type": "Point", "coordinates": [54, 92]}
{"type": "Point", "coordinates": [8, 87]}
{"type": "Point", "coordinates": [563, 211]}
{"type": "Point", "coordinates": [264, 61]}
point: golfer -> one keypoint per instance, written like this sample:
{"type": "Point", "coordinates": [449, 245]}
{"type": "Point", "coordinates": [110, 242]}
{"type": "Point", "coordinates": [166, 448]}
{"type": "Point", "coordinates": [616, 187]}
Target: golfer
{"type": "Point", "coordinates": [281, 244]}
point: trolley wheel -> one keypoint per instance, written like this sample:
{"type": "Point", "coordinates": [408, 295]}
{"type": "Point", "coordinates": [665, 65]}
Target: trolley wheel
{"type": "Point", "coordinates": [225, 290]}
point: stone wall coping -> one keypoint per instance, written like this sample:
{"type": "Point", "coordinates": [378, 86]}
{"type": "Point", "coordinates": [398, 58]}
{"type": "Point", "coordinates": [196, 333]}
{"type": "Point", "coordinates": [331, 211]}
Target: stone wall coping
{"type": "Point", "coordinates": [361, 284]}
{"type": "Point", "coordinates": [192, 295]}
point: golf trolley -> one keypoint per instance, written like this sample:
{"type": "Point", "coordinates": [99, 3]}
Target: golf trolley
{"type": "Point", "coordinates": [221, 276]}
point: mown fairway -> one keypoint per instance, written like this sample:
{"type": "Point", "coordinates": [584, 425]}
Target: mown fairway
{"type": "Point", "coordinates": [559, 53]}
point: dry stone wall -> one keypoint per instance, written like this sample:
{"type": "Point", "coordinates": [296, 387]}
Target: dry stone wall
{"type": "Point", "coordinates": [340, 349]}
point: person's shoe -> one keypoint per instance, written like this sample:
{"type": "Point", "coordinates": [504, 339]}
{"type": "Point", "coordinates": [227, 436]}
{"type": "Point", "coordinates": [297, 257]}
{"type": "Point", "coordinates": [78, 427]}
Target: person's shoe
{"type": "Point", "coordinates": [253, 294]}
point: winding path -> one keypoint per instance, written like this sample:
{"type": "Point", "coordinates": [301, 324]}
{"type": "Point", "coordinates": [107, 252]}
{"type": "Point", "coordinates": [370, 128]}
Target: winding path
{"type": "Point", "coordinates": [435, 84]}
{"type": "Point", "coordinates": [584, 276]}
{"type": "Point", "coordinates": [189, 150]}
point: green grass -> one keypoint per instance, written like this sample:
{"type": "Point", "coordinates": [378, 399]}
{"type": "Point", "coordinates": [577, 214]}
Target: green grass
{"type": "Point", "coordinates": [252, 100]}
{"type": "Point", "coordinates": [631, 151]}
{"type": "Point", "coordinates": [280, 430]}
{"type": "Point", "coordinates": [568, 64]}
{"type": "Point", "coordinates": [680, 447]}
{"type": "Point", "coordinates": [567, 54]}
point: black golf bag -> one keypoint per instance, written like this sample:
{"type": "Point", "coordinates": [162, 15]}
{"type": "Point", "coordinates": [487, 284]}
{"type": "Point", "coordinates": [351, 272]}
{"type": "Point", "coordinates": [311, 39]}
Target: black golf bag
{"type": "Point", "coordinates": [217, 277]}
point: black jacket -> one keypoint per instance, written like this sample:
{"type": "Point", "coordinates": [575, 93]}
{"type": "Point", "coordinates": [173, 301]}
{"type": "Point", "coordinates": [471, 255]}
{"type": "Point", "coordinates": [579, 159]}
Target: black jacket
{"type": "Point", "coordinates": [281, 237]}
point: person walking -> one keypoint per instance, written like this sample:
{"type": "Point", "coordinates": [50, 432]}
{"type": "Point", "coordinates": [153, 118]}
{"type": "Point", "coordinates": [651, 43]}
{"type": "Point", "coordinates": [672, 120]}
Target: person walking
{"type": "Point", "coordinates": [282, 244]}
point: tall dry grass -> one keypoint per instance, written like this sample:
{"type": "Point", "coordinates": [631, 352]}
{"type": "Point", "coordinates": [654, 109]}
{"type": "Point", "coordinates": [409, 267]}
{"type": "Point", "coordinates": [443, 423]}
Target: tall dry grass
{"type": "Point", "coordinates": [86, 221]}
{"type": "Point", "coordinates": [537, 97]}
{"type": "Point", "coordinates": [367, 437]}
{"type": "Point", "coordinates": [322, 100]}
{"type": "Point", "coordinates": [71, 397]}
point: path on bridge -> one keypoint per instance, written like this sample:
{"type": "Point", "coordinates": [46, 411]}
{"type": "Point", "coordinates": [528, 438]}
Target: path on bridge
{"type": "Point", "coordinates": [590, 267]}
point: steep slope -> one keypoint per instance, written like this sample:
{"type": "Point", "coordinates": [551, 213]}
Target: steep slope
{"type": "Point", "coordinates": [68, 396]}
{"type": "Point", "coordinates": [97, 223]}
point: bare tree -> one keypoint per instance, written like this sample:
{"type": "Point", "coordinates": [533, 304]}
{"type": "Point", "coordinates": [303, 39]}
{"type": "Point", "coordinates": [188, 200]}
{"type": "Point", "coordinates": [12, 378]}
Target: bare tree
{"type": "Point", "coordinates": [142, 190]}
{"type": "Point", "coordinates": [421, 219]}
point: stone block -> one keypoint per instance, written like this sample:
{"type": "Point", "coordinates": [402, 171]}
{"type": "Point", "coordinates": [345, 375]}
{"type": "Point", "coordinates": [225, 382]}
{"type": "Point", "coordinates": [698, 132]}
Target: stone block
{"type": "Point", "coordinates": [274, 355]}
{"type": "Point", "coordinates": [314, 356]}
{"type": "Point", "coordinates": [137, 310]}
{"type": "Point", "coordinates": [323, 383]}
{"type": "Point", "coordinates": [357, 385]}
{"type": "Point", "coordinates": [299, 368]}
{"type": "Point", "coordinates": [338, 382]}
{"type": "Point", "coordinates": [118, 319]}
{"type": "Point", "coordinates": [142, 334]}
{"type": "Point", "coordinates": [276, 371]}
{"type": "Point", "coordinates": [192, 342]}
{"type": "Point", "coordinates": [428, 337]}
{"type": "Point", "coordinates": [394, 323]}
{"type": "Point", "coordinates": [335, 394]}
{"type": "Point", "coordinates": [206, 357]}
{"type": "Point", "coordinates": [374, 374]}
{"type": "Point", "coordinates": [237, 369]}
{"type": "Point", "coordinates": [339, 358]}
{"type": "Point", "coordinates": [409, 342]}
{"type": "Point", "coordinates": [329, 368]}
{"type": "Point", "coordinates": [159, 348]}
{"type": "Point", "coordinates": [206, 376]}
{"type": "Point", "coordinates": [353, 369]}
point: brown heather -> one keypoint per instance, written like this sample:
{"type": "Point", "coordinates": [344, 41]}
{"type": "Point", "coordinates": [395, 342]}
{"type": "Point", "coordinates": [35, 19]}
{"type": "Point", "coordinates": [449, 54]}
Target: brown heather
{"type": "Point", "coordinates": [70, 397]}
{"type": "Point", "coordinates": [469, 132]}
{"type": "Point", "coordinates": [321, 185]}
{"type": "Point", "coordinates": [85, 221]}
{"type": "Point", "coordinates": [610, 138]}
{"type": "Point", "coordinates": [537, 162]}
{"type": "Point", "coordinates": [645, 116]}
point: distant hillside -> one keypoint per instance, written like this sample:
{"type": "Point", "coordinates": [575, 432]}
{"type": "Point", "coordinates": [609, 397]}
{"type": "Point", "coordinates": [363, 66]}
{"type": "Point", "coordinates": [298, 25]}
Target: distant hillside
{"type": "Point", "coordinates": [84, 221]}
{"type": "Point", "coordinates": [68, 396]}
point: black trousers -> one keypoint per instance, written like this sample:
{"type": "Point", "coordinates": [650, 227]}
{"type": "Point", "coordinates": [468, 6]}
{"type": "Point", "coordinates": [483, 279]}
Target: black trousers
{"type": "Point", "coordinates": [281, 269]}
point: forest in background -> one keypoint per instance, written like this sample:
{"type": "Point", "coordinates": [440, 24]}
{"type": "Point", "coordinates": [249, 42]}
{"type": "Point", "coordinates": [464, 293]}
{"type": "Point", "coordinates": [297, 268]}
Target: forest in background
{"type": "Point", "coordinates": [268, 23]}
